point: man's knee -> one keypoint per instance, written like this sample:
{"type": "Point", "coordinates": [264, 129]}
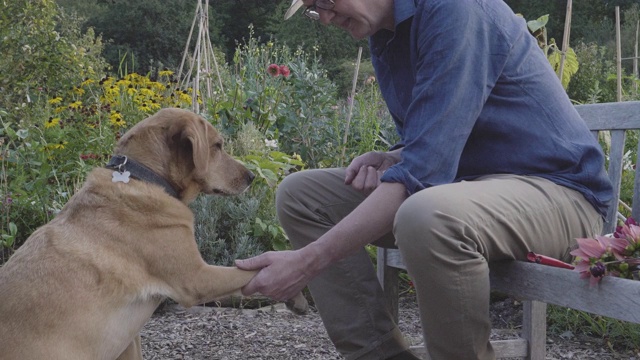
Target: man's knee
{"type": "Point", "coordinates": [423, 217]}
{"type": "Point", "coordinates": [289, 192]}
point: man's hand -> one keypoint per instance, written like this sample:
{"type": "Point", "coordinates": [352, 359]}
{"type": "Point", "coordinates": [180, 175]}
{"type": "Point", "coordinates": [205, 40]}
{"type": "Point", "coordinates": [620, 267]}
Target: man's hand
{"type": "Point", "coordinates": [364, 172]}
{"type": "Point", "coordinates": [283, 274]}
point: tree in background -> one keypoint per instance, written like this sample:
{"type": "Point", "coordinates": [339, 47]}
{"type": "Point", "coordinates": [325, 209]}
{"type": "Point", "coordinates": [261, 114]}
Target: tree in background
{"type": "Point", "coordinates": [151, 33]}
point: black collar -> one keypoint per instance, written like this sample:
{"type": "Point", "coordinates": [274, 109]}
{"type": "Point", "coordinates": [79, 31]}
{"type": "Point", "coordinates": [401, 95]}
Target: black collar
{"type": "Point", "coordinates": [126, 167]}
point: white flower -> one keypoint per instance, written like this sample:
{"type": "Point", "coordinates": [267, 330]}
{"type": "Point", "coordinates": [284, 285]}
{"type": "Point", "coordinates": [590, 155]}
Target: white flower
{"type": "Point", "coordinates": [271, 143]}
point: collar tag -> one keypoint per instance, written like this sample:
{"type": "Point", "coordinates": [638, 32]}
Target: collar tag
{"type": "Point", "coordinates": [117, 176]}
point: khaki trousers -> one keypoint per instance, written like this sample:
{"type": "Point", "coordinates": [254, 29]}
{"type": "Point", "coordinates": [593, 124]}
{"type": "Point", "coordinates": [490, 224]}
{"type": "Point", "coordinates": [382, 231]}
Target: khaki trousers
{"type": "Point", "coordinates": [447, 235]}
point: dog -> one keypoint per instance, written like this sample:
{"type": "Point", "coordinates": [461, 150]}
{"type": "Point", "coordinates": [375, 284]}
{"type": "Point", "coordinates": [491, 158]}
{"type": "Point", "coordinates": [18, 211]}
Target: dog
{"type": "Point", "coordinates": [82, 286]}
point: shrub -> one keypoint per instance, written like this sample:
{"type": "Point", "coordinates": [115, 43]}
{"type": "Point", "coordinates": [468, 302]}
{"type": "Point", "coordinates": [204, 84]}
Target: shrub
{"type": "Point", "coordinates": [43, 52]}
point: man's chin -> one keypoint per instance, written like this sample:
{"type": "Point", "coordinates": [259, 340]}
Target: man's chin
{"type": "Point", "coordinates": [355, 31]}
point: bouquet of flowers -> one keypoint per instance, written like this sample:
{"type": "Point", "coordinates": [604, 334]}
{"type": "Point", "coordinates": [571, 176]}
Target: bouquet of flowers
{"type": "Point", "coordinates": [613, 255]}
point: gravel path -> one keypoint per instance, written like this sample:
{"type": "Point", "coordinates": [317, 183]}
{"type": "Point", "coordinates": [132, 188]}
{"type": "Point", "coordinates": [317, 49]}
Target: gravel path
{"type": "Point", "coordinates": [273, 332]}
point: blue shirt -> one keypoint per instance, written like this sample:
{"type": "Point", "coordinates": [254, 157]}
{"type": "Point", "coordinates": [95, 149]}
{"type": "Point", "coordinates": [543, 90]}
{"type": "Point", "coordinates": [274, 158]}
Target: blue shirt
{"type": "Point", "coordinates": [472, 94]}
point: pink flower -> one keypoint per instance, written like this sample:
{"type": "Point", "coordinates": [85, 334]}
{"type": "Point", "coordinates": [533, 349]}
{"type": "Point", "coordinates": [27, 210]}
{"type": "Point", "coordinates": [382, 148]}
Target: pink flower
{"type": "Point", "coordinates": [596, 248]}
{"type": "Point", "coordinates": [273, 70]}
{"type": "Point", "coordinates": [284, 70]}
{"type": "Point", "coordinates": [629, 231]}
{"type": "Point", "coordinates": [592, 256]}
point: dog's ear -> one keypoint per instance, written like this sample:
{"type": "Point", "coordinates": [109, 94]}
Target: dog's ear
{"type": "Point", "coordinates": [195, 132]}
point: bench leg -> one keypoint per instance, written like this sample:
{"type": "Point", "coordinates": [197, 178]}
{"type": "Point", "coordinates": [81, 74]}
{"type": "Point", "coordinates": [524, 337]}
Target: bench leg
{"type": "Point", "coordinates": [534, 328]}
{"type": "Point", "coordinates": [388, 277]}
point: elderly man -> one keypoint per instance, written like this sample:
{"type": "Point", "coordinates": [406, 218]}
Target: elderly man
{"type": "Point", "coordinates": [493, 162]}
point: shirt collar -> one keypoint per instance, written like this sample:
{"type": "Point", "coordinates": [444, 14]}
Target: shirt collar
{"type": "Point", "coordinates": [402, 11]}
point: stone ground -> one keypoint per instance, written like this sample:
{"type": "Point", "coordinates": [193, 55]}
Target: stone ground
{"type": "Point", "coordinates": [272, 332]}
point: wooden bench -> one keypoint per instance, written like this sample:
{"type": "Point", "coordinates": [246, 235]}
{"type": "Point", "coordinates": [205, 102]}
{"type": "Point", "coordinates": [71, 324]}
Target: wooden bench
{"type": "Point", "coordinates": [538, 285]}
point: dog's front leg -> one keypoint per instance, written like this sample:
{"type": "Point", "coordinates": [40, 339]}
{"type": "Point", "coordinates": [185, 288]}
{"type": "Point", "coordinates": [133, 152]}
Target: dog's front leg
{"type": "Point", "coordinates": [133, 351]}
{"type": "Point", "coordinates": [211, 283]}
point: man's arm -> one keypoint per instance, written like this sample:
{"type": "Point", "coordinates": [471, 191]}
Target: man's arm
{"type": "Point", "coordinates": [284, 273]}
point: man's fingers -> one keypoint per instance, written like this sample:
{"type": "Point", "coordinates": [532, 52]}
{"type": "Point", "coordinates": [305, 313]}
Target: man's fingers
{"type": "Point", "coordinates": [254, 263]}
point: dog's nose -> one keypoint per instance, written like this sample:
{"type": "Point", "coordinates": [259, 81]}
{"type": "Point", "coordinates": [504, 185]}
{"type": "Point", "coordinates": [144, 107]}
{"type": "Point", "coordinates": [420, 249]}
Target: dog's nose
{"type": "Point", "coordinates": [250, 177]}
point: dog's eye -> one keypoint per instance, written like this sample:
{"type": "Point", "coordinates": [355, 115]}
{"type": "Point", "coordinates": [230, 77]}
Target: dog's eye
{"type": "Point", "coordinates": [217, 146]}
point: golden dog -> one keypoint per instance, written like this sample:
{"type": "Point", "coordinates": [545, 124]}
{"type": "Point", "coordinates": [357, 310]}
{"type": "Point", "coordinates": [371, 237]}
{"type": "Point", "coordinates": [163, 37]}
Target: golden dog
{"type": "Point", "coordinates": [82, 286]}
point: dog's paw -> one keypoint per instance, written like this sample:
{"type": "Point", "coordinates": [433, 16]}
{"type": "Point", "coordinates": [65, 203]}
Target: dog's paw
{"type": "Point", "coordinates": [298, 304]}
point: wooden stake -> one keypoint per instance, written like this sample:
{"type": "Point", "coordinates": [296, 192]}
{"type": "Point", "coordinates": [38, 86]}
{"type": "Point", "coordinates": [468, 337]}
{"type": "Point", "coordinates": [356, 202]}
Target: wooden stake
{"type": "Point", "coordinates": [635, 61]}
{"type": "Point", "coordinates": [619, 53]}
{"type": "Point", "coordinates": [565, 38]}
{"type": "Point", "coordinates": [201, 62]}
{"type": "Point", "coordinates": [353, 95]}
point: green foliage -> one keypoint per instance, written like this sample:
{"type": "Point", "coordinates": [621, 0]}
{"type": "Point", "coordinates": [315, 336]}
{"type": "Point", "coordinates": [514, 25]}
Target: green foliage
{"type": "Point", "coordinates": [589, 84]}
{"type": "Point", "coordinates": [46, 155]}
{"type": "Point", "coordinates": [553, 53]}
{"type": "Point", "coordinates": [615, 333]}
{"type": "Point", "coordinates": [43, 52]}
{"type": "Point", "coordinates": [280, 107]}
{"type": "Point", "coordinates": [224, 228]}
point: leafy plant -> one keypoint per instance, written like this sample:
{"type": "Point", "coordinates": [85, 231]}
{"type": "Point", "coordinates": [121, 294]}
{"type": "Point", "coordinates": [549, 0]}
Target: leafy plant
{"type": "Point", "coordinates": [553, 53]}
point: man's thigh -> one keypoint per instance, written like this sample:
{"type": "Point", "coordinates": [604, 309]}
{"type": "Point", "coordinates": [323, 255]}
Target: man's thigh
{"type": "Point", "coordinates": [323, 192]}
{"type": "Point", "coordinates": [505, 216]}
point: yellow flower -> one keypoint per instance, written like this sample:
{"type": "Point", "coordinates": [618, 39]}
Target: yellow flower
{"type": "Point", "coordinates": [59, 109]}
{"type": "Point", "coordinates": [106, 81]}
{"type": "Point", "coordinates": [112, 90]}
{"type": "Point", "coordinates": [146, 92]}
{"type": "Point", "coordinates": [157, 85]}
{"type": "Point", "coordinates": [123, 82]}
{"type": "Point", "coordinates": [184, 97]}
{"type": "Point", "coordinates": [131, 90]}
{"type": "Point", "coordinates": [116, 119]}
{"type": "Point", "coordinates": [165, 72]}
{"type": "Point", "coordinates": [144, 107]}
{"type": "Point", "coordinates": [51, 122]}
{"type": "Point", "coordinates": [58, 146]}
{"type": "Point", "coordinates": [55, 100]}
{"type": "Point", "coordinates": [78, 90]}
{"type": "Point", "coordinates": [86, 82]}
{"type": "Point", "coordinates": [75, 104]}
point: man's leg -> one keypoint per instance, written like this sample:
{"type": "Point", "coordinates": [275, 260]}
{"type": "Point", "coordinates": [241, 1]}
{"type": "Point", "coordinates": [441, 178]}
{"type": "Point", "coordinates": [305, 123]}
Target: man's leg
{"type": "Point", "coordinates": [348, 295]}
{"type": "Point", "coordinates": [447, 235]}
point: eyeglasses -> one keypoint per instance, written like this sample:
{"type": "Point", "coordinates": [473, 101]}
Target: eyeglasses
{"type": "Point", "coordinates": [311, 11]}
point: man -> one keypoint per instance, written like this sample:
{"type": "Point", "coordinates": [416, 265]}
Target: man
{"type": "Point", "coordinates": [493, 162]}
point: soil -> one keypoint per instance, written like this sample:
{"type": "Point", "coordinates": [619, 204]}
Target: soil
{"type": "Point", "coordinates": [273, 332]}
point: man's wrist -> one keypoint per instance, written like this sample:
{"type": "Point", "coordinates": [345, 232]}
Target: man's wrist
{"type": "Point", "coordinates": [316, 256]}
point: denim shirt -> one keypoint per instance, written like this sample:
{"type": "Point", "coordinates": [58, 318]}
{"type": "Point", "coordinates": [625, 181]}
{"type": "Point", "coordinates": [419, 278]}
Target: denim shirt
{"type": "Point", "coordinates": [472, 94]}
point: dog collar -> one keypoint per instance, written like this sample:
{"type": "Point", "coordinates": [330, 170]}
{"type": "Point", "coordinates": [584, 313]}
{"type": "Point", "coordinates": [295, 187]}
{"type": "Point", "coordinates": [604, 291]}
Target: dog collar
{"type": "Point", "coordinates": [126, 168]}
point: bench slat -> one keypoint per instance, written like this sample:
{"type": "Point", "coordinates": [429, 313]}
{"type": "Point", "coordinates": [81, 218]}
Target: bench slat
{"type": "Point", "coordinates": [612, 297]}
{"type": "Point", "coordinates": [599, 116]}
{"type": "Point", "coordinates": [616, 152]}
{"type": "Point", "coordinates": [635, 213]}
{"type": "Point", "coordinates": [558, 286]}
